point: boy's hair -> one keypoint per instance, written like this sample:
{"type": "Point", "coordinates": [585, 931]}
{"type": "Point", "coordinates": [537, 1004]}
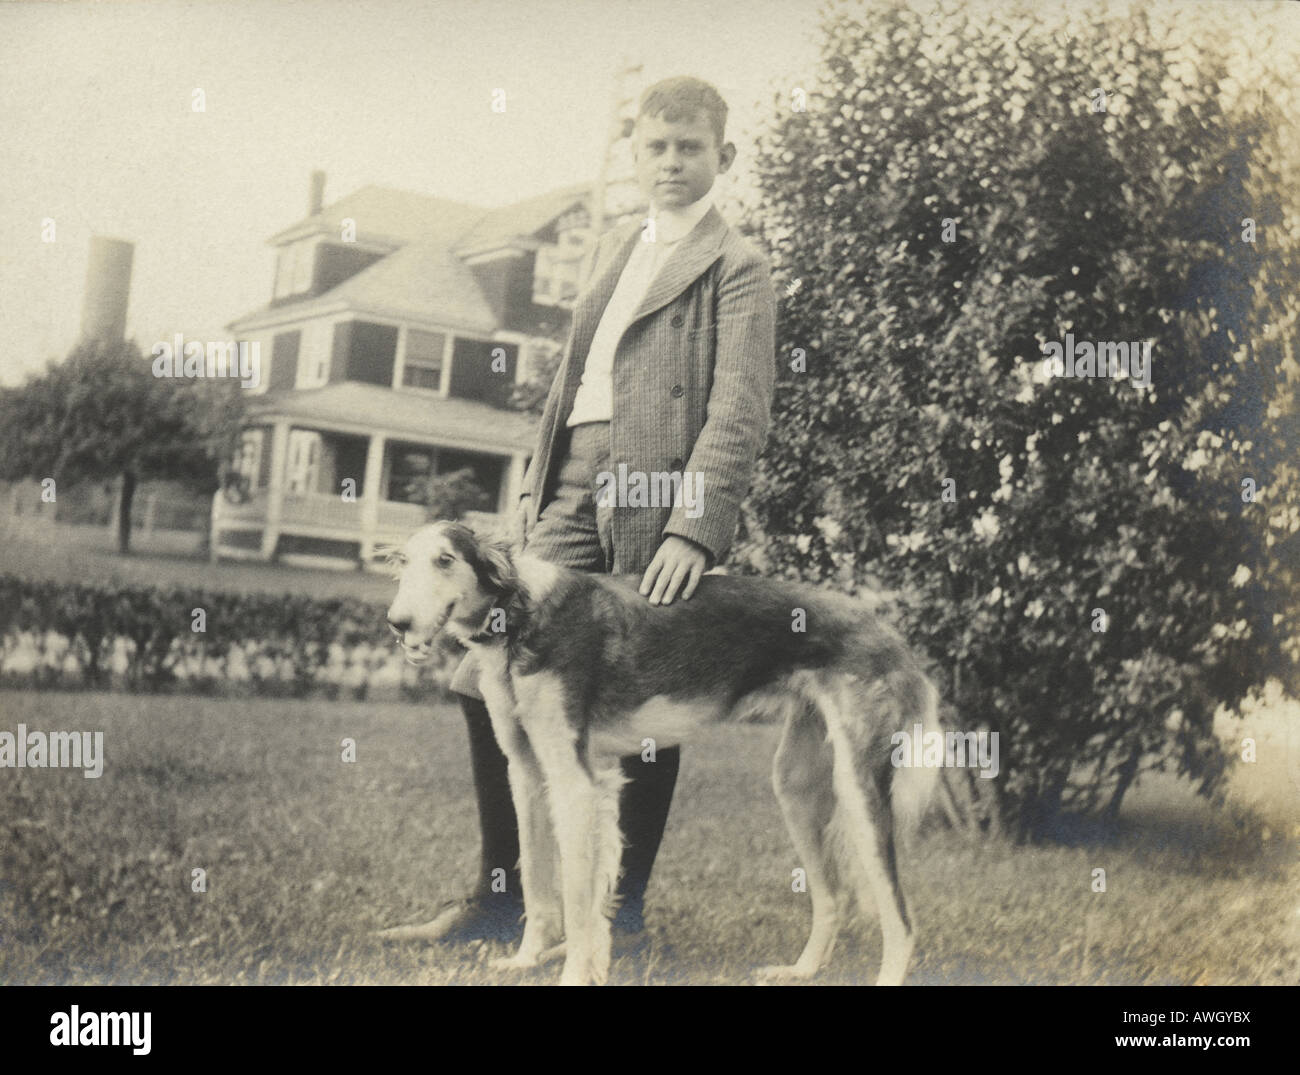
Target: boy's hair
{"type": "Point", "coordinates": [684, 97]}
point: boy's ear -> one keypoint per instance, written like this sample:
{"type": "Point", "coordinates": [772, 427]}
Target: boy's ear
{"type": "Point", "coordinates": [726, 157]}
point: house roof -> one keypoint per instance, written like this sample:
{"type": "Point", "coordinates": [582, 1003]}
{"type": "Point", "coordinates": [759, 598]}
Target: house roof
{"type": "Point", "coordinates": [350, 406]}
{"type": "Point", "coordinates": [425, 278]}
{"type": "Point", "coordinates": [421, 280]}
{"type": "Point", "coordinates": [523, 218]}
{"type": "Point", "coordinates": [387, 213]}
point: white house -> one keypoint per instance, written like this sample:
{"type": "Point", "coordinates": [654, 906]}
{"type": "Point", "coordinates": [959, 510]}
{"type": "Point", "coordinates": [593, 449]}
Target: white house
{"type": "Point", "coordinates": [397, 327]}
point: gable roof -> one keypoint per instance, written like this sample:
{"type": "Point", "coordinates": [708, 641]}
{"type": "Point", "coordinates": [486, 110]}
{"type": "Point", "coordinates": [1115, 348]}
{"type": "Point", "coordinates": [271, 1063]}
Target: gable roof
{"type": "Point", "coordinates": [425, 278]}
{"type": "Point", "coordinates": [387, 213]}
{"type": "Point", "coordinates": [524, 218]}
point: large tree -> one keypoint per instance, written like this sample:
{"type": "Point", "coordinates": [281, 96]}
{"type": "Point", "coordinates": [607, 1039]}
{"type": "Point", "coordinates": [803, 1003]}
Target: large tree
{"type": "Point", "coordinates": [1095, 566]}
{"type": "Point", "coordinates": [101, 414]}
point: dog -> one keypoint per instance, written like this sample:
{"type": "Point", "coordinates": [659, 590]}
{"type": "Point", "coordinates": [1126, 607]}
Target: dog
{"type": "Point", "coordinates": [579, 669]}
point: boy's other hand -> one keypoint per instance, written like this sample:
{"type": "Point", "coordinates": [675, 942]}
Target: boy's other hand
{"type": "Point", "coordinates": [677, 562]}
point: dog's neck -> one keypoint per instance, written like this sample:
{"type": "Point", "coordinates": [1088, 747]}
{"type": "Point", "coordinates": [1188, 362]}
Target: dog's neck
{"type": "Point", "coordinates": [485, 634]}
{"type": "Point", "coordinates": [477, 630]}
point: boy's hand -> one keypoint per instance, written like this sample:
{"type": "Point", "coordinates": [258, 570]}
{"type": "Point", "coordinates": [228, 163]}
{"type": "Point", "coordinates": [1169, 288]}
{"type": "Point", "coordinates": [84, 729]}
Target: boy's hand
{"type": "Point", "coordinates": [677, 561]}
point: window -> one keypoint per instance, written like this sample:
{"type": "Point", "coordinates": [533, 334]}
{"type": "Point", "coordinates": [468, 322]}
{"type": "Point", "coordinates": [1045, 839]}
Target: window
{"type": "Point", "coordinates": [314, 361]}
{"type": "Point", "coordinates": [303, 267]}
{"type": "Point", "coordinates": [284, 359]}
{"type": "Point", "coordinates": [557, 267]}
{"type": "Point", "coordinates": [423, 367]}
{"type": "Point", "coordinates": [293, 269]}
{"type": "Point", "coordinates": [371, 349]}
{"type": "Point", "coordinates": [483, 370]}
{"type": "Point", "coordinates": [304, 461]}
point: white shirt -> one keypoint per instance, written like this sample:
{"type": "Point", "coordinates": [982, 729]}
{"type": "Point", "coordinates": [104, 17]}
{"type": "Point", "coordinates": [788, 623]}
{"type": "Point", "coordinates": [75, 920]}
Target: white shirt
{"type": "Point", "coordinates": [594, 401]}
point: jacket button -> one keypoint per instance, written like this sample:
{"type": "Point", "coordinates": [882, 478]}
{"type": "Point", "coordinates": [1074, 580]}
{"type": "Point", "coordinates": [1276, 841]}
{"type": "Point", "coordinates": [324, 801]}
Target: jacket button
{"type": "Point", "coordinates": [676, 464]}
{"type": "Point", "coordinates": [677, 391]}
{"type": "Point", "coordinates": [677, 320]}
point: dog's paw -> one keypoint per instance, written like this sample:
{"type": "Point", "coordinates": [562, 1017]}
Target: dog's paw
{"type": "Point", "coordinates": [583, 972]}
{"type": "Point", "coordinates": [518, 961]}
{"type": "Point", "coordinates": [791, 972]}
{"type": "Point", "coordinates": [550, 955]}
{"type": "Point", "coordinates": [425, 931]}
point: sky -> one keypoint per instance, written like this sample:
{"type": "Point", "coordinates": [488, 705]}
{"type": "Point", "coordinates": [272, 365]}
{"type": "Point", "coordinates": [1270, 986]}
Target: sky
{"type": "Point", "coordinates": [99, 134]}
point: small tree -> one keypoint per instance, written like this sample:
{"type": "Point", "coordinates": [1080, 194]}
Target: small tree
{"type": "Point", "coordinates": [450, 496]}
{"type": "Point", "coordinates": [102, 414]}
{"type": "Point", "coordinates": [529, 395]}
{"type": "Point", "coordinates": [1093, 565]}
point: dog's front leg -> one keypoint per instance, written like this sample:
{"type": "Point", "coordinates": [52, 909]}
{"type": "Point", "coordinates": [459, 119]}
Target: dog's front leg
{"type": "Point", "coordinates": [538, 861]}
{"type": "Point", "coordinates": [574, 799]}
{"type": "Point", "coordinates": [539, 868]}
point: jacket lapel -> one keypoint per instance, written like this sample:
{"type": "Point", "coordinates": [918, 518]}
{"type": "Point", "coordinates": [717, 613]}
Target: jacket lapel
{"type": "Point", "coordinates": [695, 253]}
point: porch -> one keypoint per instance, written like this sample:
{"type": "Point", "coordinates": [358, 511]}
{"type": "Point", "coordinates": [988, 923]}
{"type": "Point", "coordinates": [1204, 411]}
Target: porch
{"type": "Point", "coordinates": [316, 496]}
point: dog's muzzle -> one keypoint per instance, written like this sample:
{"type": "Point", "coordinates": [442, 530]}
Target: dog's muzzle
{"type": "Point", "coordinates": [418, 653]}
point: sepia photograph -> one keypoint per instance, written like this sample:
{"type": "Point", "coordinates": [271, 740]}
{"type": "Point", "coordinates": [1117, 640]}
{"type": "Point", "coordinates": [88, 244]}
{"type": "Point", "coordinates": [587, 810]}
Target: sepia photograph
{"type": "Point", "coordinates": [650, 494]}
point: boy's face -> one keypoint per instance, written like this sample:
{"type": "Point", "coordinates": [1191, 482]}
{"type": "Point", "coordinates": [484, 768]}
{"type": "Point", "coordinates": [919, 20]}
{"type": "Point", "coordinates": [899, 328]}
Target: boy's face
{"type": "Point", "coordinates": [677, 161]}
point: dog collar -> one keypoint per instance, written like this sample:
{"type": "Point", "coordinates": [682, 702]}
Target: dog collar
{"type": "Point", "coordinates": [484, 633]}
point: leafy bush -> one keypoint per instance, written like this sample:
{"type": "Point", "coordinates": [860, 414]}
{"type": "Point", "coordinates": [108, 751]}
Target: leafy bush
{"type": "Point", "coordinates": [285, 642]}
{"type": "Point", "coordinates": [924, 365]}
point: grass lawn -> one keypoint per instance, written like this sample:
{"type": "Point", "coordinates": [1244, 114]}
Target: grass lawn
{"type": "Point", "coordinates": [305, 855]}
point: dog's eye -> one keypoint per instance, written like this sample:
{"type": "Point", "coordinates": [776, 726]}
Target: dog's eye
{"type": "Point", "coordinates": [445, 560]}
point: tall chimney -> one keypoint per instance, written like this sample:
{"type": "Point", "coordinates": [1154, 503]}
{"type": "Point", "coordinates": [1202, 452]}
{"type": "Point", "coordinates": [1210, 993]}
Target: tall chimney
{"type": "Point", "coordinates": [317, 196]}
{"type": "Point", "coordinates": [108, 287]}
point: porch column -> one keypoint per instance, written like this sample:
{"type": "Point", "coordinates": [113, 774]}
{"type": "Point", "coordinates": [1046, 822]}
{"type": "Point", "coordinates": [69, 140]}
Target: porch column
{"type": "Point", "coordinates": [371, 494]}
{"type": "Point", "coordinates": [275, 487]}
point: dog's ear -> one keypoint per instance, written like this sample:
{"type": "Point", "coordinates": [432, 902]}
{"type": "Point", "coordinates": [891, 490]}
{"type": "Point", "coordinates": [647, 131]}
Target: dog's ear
{"type": "Point", "coordinates": [495, 567]}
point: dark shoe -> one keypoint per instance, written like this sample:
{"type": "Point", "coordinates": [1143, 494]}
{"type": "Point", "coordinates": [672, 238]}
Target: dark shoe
{"type": "Point", "coordinates": [629, 919]}
{"type": "Point", "coordinates": [497, 917]}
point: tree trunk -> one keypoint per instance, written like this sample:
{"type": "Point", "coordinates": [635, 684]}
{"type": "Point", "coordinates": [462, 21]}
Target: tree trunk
{"type": "Point", "coordinates": [1127, 772]}
{"type": "Point", "coordinates": [124, 512]}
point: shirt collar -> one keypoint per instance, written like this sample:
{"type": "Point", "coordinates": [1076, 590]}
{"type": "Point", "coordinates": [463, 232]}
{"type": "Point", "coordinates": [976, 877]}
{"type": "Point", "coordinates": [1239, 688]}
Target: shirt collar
{"type": "Point", "coordinates": [674, 224]}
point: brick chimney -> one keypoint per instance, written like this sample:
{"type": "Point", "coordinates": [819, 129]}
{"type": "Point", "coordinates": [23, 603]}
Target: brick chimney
{"type": "Point", "coordinates": [316, 198]}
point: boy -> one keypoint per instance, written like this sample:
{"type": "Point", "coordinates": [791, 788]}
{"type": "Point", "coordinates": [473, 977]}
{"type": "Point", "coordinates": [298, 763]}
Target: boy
{"type": "Point", "coordinates": [669, 371]}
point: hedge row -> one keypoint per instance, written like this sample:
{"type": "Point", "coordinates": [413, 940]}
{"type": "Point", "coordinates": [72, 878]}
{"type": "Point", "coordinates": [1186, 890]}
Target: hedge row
{"type": "Point", "coordinates": [58, 634]}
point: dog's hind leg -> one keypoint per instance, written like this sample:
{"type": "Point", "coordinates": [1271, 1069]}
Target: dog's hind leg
{"type": "Point", "coordinates": [801, 775]}
{"type": "Point", "coordinates": [861, 780]}
{"type": "Point", "coordinates": [609, 780]}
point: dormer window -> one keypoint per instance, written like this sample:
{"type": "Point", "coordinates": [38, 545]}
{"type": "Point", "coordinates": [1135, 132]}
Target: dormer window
{"type": "Point", "coordinates": [556, 268]}
{"type": "Point", "coordinates": [293, 270]}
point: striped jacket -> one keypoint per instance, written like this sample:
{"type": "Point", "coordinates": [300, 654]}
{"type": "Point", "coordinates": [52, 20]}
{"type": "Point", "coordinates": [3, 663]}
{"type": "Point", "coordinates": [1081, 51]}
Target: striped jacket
{"type": "Point", "coordinates": [693, 374]}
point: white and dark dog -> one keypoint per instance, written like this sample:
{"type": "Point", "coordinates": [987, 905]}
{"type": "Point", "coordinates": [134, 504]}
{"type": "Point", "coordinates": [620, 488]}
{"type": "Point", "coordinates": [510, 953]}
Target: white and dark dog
{"type": "Point", "coordinates": [578, 669]}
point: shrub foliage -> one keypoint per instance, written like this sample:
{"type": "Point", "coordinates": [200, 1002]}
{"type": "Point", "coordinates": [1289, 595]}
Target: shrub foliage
{"type": "Point", "coordinates": [1076, 504]}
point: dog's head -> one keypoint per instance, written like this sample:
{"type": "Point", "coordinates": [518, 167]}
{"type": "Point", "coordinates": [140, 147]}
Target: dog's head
{"type": "Point", "coordinates": [447, 577]}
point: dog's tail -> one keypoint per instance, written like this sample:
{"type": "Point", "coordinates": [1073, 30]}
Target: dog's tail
{"type": "Point", "coordinates": [914, 785]}
{"type": "Point", "coordinates": [877, 737]}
